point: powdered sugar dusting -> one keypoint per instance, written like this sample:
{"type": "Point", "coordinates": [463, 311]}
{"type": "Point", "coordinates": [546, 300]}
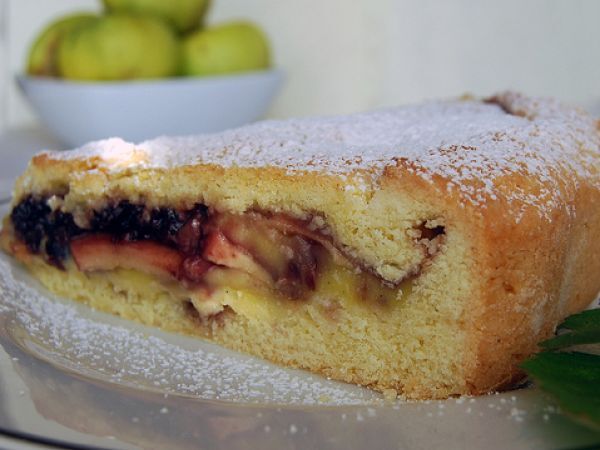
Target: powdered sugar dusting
{"type": "Point", "coordinates": [99, 348]}
{"type": "Point", "coordinates": [470, 144]}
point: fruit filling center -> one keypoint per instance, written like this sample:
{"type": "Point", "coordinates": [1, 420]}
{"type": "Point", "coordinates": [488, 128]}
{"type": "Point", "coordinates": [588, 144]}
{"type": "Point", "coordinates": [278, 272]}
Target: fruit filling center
{"type": "Point", "coordinates": [203, 250]}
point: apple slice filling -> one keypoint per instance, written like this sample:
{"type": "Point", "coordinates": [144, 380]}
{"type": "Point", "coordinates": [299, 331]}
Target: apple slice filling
{"type": "Point", "coordinates": [248, 243]}
{"type": "Point", "coordinates": [203, 250]}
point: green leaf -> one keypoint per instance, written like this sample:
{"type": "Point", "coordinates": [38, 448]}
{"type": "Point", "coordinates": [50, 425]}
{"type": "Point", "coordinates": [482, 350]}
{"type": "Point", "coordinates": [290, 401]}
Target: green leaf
{"type": "Point", "coordinates": [586, 320]}
{"type": "Point", "coordinates": [572, 378]}
{"type": "Point", "coordinates": [570, 339]}
{"type": "Point", "coordinates": [583, 328]}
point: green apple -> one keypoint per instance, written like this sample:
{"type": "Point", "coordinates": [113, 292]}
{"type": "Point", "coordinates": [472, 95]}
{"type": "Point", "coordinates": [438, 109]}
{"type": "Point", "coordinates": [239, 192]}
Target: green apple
{"type": "Point", "coordinates": [227, 48]}
{"type": "Point", "coordinates": [42, 54]}
{"type": "Point", "coordinates": [119, 47]}
{"type": "Point", "coordinates": [183, 15]}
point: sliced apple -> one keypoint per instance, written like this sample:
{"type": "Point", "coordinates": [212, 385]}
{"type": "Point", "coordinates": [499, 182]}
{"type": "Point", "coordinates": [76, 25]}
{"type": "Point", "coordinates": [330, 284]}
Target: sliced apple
{"type": "Point", "coordinates": [214, 293]}
{"type": "Point", "coordinates": [101, 252]}
{"type": "Point", "coordinates": [194, 268]}
{"type": "Point", "coordinates": [220, 250]}
{"type": "Point", "coordinates": [289, 259]}
{"type": "Point", "coordinates": [251, 232]}
{"type": "Point", "coordinates": [291, 226]}
{"type": "Point", "coordinates": [277, 252]}
{"type": "Point", "coordinates": [219, 278]}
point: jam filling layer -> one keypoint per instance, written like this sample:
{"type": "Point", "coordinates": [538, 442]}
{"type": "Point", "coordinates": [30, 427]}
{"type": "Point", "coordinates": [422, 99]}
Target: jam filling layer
{"type": "Point", "coordinates": [202, 249]}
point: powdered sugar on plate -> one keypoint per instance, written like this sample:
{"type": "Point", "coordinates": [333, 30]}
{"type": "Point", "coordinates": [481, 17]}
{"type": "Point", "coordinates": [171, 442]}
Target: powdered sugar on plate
{"type": "Point", "coordinates": [470, 144]}
{"type": "Point", "coordinates": [98, 346]}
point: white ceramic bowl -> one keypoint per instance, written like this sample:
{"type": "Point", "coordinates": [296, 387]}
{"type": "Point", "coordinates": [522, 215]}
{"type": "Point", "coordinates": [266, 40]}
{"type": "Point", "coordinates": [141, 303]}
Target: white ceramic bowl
{"type": "Point", "coordinates": [79, 112]}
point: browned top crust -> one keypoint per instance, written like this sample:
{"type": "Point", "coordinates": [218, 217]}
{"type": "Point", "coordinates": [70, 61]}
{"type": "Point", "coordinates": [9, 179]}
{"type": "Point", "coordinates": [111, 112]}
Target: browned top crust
{"type": "Point", "coordinates": [522, 150]}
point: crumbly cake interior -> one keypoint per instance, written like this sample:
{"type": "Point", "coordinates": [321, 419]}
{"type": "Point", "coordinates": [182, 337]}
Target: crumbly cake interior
{"type": "Point", "coordinates": [385, 249]}
{"type": "Point", "coordinates": [313, 305]}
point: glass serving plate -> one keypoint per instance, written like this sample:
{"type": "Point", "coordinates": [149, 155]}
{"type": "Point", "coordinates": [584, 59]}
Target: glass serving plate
{"type": "Point", "coordinates": [72, 377]}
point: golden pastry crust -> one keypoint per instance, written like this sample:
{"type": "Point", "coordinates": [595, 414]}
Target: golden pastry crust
{"type": "Point", "coordinates": [513, 182]}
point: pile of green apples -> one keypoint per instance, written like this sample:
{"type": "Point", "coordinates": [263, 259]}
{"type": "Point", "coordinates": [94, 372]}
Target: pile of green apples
{"type": "Point", "coordinates": [140, 39]}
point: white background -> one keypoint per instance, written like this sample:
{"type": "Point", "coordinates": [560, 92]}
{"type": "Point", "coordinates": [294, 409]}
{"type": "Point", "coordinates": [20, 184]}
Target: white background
{"type": "Point", "coordinates": [344, 55]}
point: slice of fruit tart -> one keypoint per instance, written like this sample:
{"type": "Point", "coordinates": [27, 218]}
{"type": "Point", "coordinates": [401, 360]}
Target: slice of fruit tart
{"type": "Point", "coordinates": [423, 249]}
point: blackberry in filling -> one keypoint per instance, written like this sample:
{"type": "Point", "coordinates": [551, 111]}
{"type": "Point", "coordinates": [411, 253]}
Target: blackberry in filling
{"type": "Point", "coordinates": [30, 219]}
{"type": "Point", "coordinates": [42, 229]}
{"type": "Point", "coordinates": [123, 221]}
{"type": "Point", "coordinates": [60, 230]}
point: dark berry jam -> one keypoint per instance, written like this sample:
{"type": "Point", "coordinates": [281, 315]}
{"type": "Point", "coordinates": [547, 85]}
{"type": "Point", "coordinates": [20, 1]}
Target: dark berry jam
{"type": "Point", "coordinates": [50, 232]}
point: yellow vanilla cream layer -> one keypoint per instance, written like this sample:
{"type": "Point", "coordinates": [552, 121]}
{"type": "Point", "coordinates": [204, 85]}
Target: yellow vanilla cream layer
{"type": "Point", "coordinates": [337, 287]}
